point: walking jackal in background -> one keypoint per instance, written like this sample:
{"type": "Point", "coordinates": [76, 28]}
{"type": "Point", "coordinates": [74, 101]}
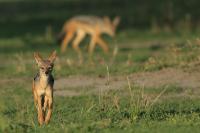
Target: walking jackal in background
{"type": "Point", "coordinates": [43, 87]}
{"type": "Point", "coordinates": [92, 25]}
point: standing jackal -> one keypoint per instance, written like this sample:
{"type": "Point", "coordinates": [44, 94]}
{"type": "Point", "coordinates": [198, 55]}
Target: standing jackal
{"type": "Point", "coordinates": [92, 25]}
{"type": "Point", "coordinates": [43, 87]}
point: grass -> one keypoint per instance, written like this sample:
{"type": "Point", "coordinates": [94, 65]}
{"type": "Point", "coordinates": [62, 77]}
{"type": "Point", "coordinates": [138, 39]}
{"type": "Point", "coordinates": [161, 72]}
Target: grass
{"type": "Point", "coordinates": [87, 114]}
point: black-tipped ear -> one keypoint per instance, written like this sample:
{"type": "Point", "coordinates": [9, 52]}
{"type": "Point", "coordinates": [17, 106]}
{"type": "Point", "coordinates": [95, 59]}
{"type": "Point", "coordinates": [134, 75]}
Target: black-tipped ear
{"type": "Point", "coordinates": [116, 21]}
{"type": "Point", "coordinates": [52, 57]}
{"type": "Point", "coordinates": [38, 58]}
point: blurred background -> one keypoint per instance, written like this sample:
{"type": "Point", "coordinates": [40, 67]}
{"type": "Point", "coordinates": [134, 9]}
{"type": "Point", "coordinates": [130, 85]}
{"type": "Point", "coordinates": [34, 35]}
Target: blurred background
{"type": "Point", "coordinates": [148, 32]}
{"type": "Point", "coordinates": [32, 16]}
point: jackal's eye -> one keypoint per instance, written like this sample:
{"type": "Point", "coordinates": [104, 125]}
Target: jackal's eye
{"type": "Point", "coordinates": [50, 68]}
{"type": "Point", "coordinates": [42, 68]}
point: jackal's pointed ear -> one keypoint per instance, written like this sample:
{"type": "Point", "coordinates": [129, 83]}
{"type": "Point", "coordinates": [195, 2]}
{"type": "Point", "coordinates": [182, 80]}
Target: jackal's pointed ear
{"type": "Point", "coordinates": [106, 19]}
{"type": "Point", "coordinates": [38, 58]}
{"type": "Point", "coordinates": [116, 21]}
{"type": "Point", "coordinates": [52, 57]}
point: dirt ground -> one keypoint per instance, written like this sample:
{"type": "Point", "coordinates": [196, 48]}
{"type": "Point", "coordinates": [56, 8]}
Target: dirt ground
{"type": "Point", "coordinates": [81, 84]}
{"type": "Point", "coordinates": [76, 85]}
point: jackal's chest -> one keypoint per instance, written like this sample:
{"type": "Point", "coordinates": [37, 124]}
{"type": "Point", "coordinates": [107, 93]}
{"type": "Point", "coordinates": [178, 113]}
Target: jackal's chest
{"type": "Point", "coordinates": [44, 86]}
{"type": "Point", "coordinates": [43, 89]}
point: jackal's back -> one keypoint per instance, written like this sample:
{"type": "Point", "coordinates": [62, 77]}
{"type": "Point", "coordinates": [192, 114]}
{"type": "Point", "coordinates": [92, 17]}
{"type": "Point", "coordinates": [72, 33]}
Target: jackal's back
{"type": "Point", "coordinates": [89, 20]}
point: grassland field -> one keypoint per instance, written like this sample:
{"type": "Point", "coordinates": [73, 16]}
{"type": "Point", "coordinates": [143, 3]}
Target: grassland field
{"type": "Point", "coordinates": [149, 82]}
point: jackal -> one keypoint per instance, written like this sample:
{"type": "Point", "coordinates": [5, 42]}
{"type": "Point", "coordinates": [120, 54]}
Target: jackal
{"type": "Point", "coordinates": [92, 25]}
{"type": "Point", "coordinates": [43, 87]}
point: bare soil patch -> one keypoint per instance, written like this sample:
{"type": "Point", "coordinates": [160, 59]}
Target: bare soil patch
{"type": "Point", "coordinates": [168, 76]}
{"type": "Point", "coordinates": [68, 86]}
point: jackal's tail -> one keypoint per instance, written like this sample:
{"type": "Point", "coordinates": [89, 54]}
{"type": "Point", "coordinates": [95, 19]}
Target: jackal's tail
{"type": "Point", "coordinates": [60, 37]}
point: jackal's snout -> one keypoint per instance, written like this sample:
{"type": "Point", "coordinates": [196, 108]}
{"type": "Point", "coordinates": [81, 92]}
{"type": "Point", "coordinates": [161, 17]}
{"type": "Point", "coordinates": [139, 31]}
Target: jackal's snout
{"type": "Point", "coordinates": [48, 71]}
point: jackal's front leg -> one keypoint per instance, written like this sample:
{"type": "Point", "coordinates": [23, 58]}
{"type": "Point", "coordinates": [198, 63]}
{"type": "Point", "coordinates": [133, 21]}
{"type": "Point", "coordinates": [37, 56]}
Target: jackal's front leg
{"type": "Point", "coordinates": [40, 111]}
{"type": "Point", "coordinates": [50, 107]}
{"type": "Point", "coordinates": [34, 95]}
{"type": "Point", "coordinates": [35, 99]}
{"type": "Point", "coordinates": [102, 44]}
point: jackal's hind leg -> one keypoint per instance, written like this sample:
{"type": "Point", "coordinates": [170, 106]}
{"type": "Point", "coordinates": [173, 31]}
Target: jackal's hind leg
{"type": "Point", "coordinates": [79, 37]}
{"type": "Point", "coordinates": [92, 44]}
{"type": "Point", "coordinates": [66, 40]}
{"type": "Point", "coordinates": [45, 103]}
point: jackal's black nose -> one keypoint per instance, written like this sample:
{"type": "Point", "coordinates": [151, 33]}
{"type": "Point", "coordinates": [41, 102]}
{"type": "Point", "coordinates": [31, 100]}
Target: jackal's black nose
{"type": "Point", "coordinates": [46, 72]}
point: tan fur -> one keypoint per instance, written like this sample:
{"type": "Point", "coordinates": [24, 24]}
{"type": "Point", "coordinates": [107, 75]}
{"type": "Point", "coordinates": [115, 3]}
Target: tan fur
{"type": "Point", "coordinates": [92, 25]}
{"type": "Point", "coordinates": [42, 87]}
